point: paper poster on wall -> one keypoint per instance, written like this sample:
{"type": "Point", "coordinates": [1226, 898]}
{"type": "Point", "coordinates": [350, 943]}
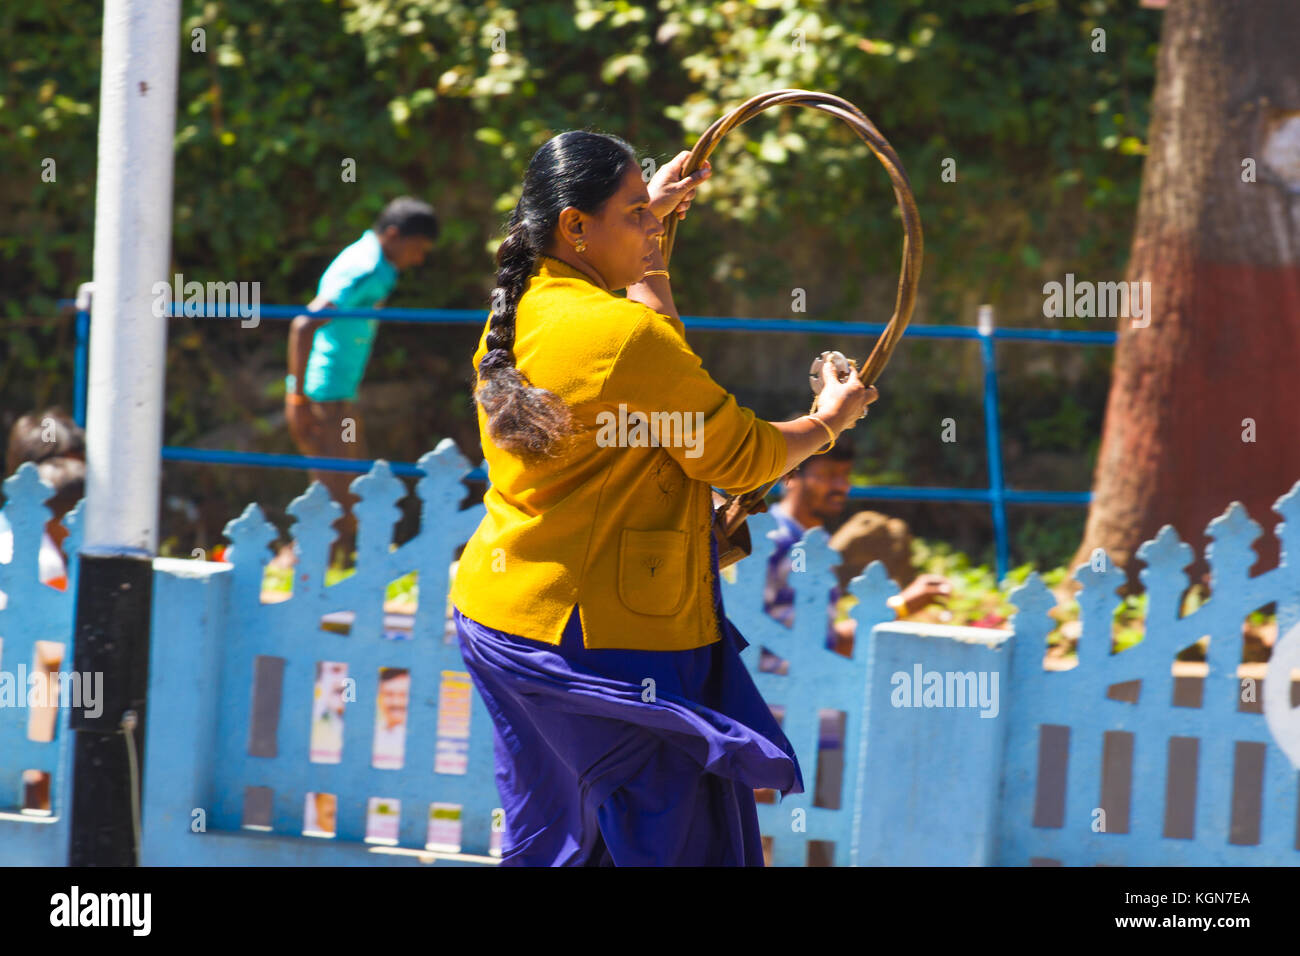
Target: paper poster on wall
{"type": "Point", "coordinates": [320, 815]}
{"type": "Point", "coordinates": [452, 754]}
{"type": "Point", "coordinates": [444, 828]}
{"type": "Point", "coordinates": [391, 706]}
{"type": "Point", "coordinates": [327, 712]}
{"type": "Point", "coordinates": [383, 820]}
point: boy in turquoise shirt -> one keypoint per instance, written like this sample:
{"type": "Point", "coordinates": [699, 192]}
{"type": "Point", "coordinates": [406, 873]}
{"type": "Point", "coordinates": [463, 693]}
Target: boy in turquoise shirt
{"type": "Point", "coordinates": [327, 357]}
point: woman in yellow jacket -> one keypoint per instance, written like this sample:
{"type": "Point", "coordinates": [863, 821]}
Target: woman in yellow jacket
{"type": "Point", "coordinates": [627, 729]}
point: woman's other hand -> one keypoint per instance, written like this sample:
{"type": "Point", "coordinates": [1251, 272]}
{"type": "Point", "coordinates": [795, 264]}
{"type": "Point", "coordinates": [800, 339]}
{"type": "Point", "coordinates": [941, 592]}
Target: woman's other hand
{"type": "Point", "coordinates": [670, 192]}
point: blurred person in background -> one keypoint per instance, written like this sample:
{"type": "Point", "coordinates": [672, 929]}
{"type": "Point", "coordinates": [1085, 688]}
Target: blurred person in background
{"type": "Point", "coordinates": [56, 445]}
{"type": "Point", "coordinates": [327, 357]}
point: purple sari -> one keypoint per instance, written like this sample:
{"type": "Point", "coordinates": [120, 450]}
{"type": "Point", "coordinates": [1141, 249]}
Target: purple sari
{"type": "Point", "coordinates": [594, 770]}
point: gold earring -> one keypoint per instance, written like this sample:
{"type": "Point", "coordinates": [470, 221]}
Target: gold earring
{"type": "Point", "coordinates": [580, 245]}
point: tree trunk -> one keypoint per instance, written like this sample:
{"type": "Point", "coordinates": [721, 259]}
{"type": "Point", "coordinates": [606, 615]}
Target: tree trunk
{"type": "Point", "coordinates": [1221, 354]}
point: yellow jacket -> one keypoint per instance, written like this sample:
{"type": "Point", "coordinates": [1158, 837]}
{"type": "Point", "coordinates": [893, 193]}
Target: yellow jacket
{"type": "Point", "coordinates": [616, 524]}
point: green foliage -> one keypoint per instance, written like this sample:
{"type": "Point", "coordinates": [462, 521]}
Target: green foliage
{"type": "Point", "coordinates": [278, 580]}
{"type": "Point", "coordinates": [427, 93]}
{"type": "Point", "coordinates": [1067, 428]}
{"type": "Point", "coordinates": [1048, 538]}
{"type": "Point", "coordinates": [1197, 595]}
{"type": "Point", "coordinates": [1130, 621]}
{"type": "Point", "coordinates": [405, 589]}
{"type": "Point", "coordinates": [975, 591]}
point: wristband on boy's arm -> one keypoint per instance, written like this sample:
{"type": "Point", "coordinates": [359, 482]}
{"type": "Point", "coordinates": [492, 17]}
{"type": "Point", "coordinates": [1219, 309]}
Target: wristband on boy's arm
{"type": "Point", "coordinates": [291, 394]}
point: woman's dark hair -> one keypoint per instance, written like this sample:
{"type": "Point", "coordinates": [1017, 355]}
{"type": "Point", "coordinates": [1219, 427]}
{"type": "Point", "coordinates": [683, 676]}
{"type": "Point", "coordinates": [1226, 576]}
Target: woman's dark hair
{"type": "Point", "coordinates": [580, 169]}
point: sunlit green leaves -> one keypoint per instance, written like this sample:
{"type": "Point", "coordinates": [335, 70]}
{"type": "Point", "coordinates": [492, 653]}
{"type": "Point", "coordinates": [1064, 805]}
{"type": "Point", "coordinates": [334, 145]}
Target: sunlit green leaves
{"type": "Point", "coordinates": [631, 65]}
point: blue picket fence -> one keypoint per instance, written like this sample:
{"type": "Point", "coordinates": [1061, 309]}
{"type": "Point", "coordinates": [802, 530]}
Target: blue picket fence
{"type": "Point", "coordinates": [957, 746]}
{"type": "Point", "coordinates": [32, 612]}
{"type": "Point", "coordinates": [1204, 757]}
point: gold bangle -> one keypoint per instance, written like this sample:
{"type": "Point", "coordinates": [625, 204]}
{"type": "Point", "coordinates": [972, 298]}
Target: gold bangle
{"type": "Point", "coordinates": [657, 272]}
{"type": "Point", "coordinates": [822, 451]}
{"type": "Point", "coordinates": [294, 398]}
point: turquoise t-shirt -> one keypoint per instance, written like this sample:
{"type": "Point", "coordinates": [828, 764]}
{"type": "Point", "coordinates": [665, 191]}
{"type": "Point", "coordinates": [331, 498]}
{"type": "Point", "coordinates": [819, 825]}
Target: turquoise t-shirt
{"type": "Point", "coordinates": [359, 277]}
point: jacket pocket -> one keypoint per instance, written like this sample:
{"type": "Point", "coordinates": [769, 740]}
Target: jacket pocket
{"type": "Point", "coordinates": [652, 571]}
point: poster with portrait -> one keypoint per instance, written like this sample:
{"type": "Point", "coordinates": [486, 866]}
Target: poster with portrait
{"type": "Point", "coordinates": [392, 704]}
{"type": "Point", "coordinates": [320, 815]}
{"type": "Point", "coordinates": [328, 699]}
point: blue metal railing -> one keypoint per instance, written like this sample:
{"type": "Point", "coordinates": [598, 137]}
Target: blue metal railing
{"type": "Point", "coordinates": [997, 496]}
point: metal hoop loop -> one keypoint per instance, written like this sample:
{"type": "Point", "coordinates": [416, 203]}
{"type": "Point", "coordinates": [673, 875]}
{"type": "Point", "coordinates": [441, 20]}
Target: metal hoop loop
{"type": "Point", "coordinates": [913, 244]}
{"type": "Point", "coordinates": [729, 519]}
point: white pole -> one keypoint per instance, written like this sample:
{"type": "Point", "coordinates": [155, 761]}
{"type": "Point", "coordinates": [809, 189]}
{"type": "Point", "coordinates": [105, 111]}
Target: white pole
{"type": "Point", "coordinates": [128, 348]}
{"type": "Point", "coordinates": [133, 203]}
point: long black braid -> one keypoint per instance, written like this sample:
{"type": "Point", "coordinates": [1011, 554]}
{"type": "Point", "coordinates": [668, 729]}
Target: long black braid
{"type": "Point", "coordinates": [581, 169]}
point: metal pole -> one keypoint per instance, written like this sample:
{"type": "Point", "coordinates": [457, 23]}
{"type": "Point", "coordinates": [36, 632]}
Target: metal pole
{"type": "Point", "coordinates": [993, 438]}
{"type": "Point", "coordinates": [123, 422]}
{"type": "Point", "coordinates": [85, 296]}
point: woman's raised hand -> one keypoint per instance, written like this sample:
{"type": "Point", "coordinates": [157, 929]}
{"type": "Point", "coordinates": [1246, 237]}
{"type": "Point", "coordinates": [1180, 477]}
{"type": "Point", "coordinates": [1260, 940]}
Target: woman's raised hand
{"type": "Point", "coordinates": [843, 403]}
{"type": "Point", "coordinates": [670, 192]}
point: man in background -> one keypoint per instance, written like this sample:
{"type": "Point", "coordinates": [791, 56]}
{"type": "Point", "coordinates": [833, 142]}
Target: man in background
{"type": "Point", "coordinates": [328, 357]}
{"type": "Point", "coordinates": [813, 494]}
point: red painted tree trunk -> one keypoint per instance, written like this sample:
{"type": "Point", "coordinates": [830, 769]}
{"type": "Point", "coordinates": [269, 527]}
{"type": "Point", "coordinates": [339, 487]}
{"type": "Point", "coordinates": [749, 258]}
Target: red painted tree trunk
{"type": "Point", "coordinates": [1204, 406]}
